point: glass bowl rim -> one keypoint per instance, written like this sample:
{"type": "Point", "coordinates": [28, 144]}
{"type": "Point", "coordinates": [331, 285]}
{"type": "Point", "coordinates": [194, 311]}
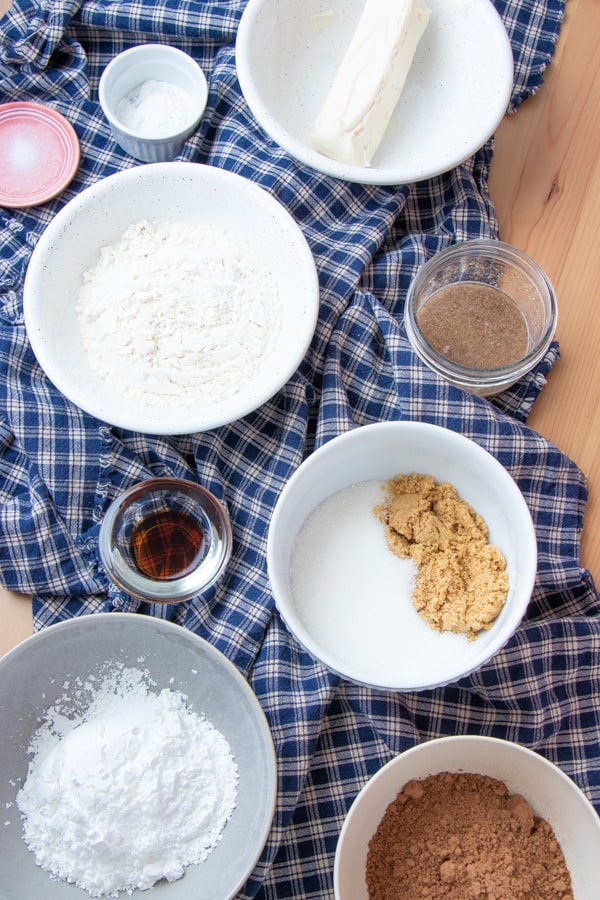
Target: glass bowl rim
{"type": "Point", "coordinates": [177, 589]}
{"type": "Point", "coordinates": [467, 375]}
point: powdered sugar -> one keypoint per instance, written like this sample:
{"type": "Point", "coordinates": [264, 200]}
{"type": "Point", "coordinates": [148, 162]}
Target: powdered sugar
{"type": "Point", "coordinates": [129, 791]}
{"type": "Point", "coordinates": [178, 313]}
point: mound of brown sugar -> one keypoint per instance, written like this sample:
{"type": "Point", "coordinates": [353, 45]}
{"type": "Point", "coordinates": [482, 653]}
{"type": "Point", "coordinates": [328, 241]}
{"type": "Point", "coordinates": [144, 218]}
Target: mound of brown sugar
{"type": "Point", "coordinates": [462, 582]}
{"type": "Point", "coordinates": [455, 836]}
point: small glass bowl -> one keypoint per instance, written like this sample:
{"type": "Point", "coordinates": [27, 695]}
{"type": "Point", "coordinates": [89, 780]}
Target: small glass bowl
{"type": "Point", "coordinates": [165, 540]}
{"type": "Point", "coordinates": [485, 264]}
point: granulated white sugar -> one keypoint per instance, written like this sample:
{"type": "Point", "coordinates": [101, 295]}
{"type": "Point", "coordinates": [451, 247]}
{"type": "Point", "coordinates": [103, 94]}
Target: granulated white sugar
{"type": "Point", "coordinates": [351, 592]}
{"type": "Point", "coordinates": [354, 596]}
{"type": "Point", "coordinates": [131, 790]}
{"type": "Point", "coordinates": [179, 313]}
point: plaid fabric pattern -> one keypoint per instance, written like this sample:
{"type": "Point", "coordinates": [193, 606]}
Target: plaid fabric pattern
{"type": "Point", "coordinates": [60, 468]}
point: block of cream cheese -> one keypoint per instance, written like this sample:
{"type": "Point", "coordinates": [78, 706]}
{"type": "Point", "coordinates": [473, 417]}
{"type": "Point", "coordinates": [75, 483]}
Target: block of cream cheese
{"type": "Point", "coordinates": [369, 81]}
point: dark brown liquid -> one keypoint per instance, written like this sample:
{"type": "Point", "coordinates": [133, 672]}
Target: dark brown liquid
{"type": "Point", "coordinates": [475, 325]}
{"type": "Point", "coordinates": [166, 544]}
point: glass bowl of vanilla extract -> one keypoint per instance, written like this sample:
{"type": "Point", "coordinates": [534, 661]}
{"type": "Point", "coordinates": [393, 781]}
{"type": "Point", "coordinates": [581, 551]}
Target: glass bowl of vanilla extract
{"type": "Point", "coordinates": [482, 314]}
{"type": "Point", "coordinates": [165, 540]}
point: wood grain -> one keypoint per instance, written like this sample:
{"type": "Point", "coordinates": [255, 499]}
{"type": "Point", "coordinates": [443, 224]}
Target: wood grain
{"type": "Point", "coordinates": [545, 183]}
{"type": "Point", "coordinates": [15, 619]}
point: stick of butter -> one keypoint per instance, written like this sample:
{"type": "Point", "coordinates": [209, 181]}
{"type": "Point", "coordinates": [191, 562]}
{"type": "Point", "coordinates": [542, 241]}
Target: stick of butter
{"type": "Point", "coordinates": [370, 79]}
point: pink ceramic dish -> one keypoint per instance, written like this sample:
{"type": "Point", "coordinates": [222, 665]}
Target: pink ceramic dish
{"type": "Point", "coordinates": [39, 154]}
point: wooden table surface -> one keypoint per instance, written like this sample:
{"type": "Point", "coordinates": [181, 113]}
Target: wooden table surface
{"type": "Point", "coordinates": [545, 182]}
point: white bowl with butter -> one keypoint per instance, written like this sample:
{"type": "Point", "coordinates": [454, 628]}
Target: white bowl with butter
{"type": "Point", "coordinates": [456, 91]}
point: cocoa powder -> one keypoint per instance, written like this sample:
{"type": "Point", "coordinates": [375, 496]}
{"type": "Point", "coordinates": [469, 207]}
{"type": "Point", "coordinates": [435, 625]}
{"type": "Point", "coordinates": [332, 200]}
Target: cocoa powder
{"type": "Point", "coordinates": [462, 836]}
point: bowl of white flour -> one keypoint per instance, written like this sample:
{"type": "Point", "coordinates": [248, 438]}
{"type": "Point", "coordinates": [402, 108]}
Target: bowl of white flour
{"type": "Point", "coordinates": [171, 298]}
{"type": "Point", "coordinates": [133, 755]}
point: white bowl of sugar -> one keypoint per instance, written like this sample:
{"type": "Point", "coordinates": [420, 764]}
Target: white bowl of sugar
{"type": "Point", "coordinates": [153, 97]}
{"type": "Point", "coordinates": [348, 599]}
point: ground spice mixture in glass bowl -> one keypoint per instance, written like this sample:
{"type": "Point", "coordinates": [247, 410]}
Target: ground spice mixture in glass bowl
{"type": "Point", "coordinates": [481, 314]}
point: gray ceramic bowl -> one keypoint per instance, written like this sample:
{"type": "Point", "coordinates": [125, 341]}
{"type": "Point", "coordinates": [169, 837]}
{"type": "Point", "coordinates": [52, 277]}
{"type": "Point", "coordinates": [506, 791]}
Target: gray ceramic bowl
{"type": "Point", "coordinates": [32, 677]}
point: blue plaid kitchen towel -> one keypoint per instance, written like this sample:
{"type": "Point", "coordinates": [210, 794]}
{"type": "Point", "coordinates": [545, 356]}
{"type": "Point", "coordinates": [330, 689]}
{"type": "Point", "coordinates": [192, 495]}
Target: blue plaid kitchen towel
{"type": "Point", "coordinates": [60, 468]}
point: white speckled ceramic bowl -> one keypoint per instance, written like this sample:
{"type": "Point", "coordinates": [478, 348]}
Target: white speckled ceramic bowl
{"type": "Point", "coordinates": [456, 93]}
{"type": "Point", "coordinates": [156, 62]}
{"type": "Point", "coordinates": [56, 661]}
{"type": "Point", "coordinates": [165, 192]}
{"type": "Point", "coordinates": [408, 655]}
{"type": "Point", "coordinates": [548, 790]}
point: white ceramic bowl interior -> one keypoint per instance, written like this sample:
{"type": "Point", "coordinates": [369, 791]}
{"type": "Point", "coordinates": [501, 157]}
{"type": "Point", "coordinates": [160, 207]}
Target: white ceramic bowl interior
{"type": "Point", "coordinates": [549, 791]}
{"type": "Point", "coordinates": [179, 192]}
{"type": "Point", "coordinates": [33, 675]}
{"type": "Point", "coordinates": [456, 93]}
{"type": "Point", "coordinates": [156, 62]}
{"type": "Point", "coordinates": [422, 658]}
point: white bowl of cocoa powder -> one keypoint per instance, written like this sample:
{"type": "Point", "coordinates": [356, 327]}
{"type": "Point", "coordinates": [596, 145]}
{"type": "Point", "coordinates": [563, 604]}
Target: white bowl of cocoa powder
{"type": "Point", "coordinates": [469, 816]}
